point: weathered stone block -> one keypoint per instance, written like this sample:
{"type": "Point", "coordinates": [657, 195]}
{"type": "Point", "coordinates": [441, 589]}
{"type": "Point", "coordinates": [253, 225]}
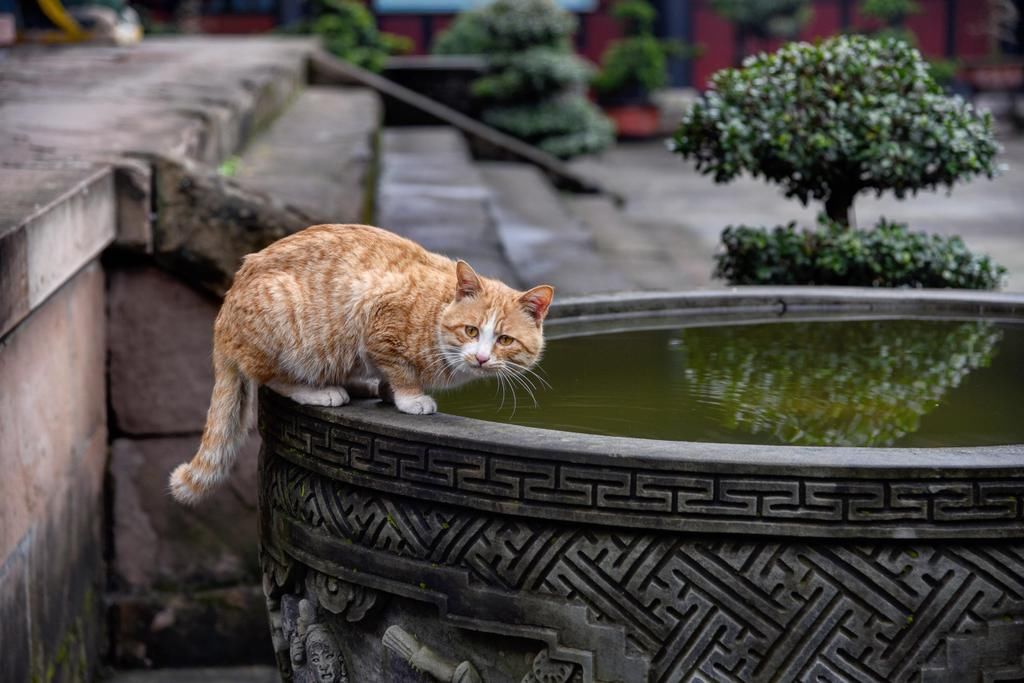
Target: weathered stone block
{"type": "Point", "coordinates": [66, 573]}
{"type": "Point", "coordinates": [160, 544]}
{"type": "Point", "coordinates": [53, 446]}
{"type": "Point", "coordinates": [56, 222]}
{"type": "Point", "coordinates": [52, 402]}
{"type": "Point", "coordinates": [14, 634]}
{"type": "Point", "coordinates": [318, 154]}
{"type": "Point", "coordinates": [222, 627]}
{"type": "Point", "coordinates": [161, 341]}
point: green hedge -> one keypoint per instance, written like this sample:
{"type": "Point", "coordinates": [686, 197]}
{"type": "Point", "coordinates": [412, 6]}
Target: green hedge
{"type": "Point", "coordinates": [535, 84]}
{"type": "Point", "coordinates": [887, 256]}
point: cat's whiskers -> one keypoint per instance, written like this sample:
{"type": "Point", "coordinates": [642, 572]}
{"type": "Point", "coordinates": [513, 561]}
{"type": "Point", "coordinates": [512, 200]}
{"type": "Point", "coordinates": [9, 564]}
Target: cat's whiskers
{"type": "Point", "coordinates": [526, 371]}
{"type": "Point", "coordinates": [503, 376]}
{"type": "Point", "coordinates": [519, 380]}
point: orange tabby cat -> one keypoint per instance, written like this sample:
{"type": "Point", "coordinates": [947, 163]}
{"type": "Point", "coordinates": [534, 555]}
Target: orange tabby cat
{"type": "Point", "coordinates": [335, 308]}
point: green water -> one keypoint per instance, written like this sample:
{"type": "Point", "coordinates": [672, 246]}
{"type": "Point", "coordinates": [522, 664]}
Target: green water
{"type": "Point", "coordinates": [837, 383]}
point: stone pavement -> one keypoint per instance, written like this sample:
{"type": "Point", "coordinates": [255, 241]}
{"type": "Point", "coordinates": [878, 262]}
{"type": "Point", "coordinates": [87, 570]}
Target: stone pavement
{"type": "Point", "coordinates": [677, 211]}
{"type": "Point", "coordinates": [240, 674]}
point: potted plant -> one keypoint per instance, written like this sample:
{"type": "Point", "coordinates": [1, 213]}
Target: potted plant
{"type": "Point", "coordinates": [534, 85]}
{"type": "Point", "coordinates": [349, 31]}
{"type": "Point", "coordinates": [633, 67]}
{"type": "Point", "coordinates": [827, 122]}
{"type": "Point", "coordinates": [762, 19]}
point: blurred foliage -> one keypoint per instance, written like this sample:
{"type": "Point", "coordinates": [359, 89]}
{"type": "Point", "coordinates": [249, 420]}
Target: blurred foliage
{"type": "Point", "coordinates": [349, 31]}
{"type": "Point", "coordinates": [887, 256]}
{"type": "Point", "coordinates": [889, 11]}
{"type": "Point", "coordinates": [504, 26]}
{"type": "Point", "coordinates": [882, 376]}
{"type": "Point", "coordinates": [892, 13]}
{"type": "Point", "coordinates": [534, 72]}
{"type": "Point", "coordinates": [765, 18]}
{"type": "Point", "coordinates": [639, 60]}
{"type": "Point", "coordinates": [534, 85]}
{"type": "Point", "coordinates": [829, 120]}
{"type": "Point", "coordinates": [563, 128]}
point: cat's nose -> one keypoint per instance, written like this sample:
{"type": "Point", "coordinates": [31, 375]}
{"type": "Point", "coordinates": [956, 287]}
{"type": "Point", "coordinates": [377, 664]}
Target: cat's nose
{"type": "Point", "coordinates": [482, 357]}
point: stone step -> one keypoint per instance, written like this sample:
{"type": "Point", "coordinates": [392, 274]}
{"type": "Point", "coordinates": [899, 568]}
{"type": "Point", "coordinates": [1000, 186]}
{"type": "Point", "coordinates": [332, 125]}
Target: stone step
{"type": "Point", "coordinates": [318, 155]}
{"type": "Point", "coordinates": [430, 191]}
{"type": "Point", "coordinates": [544, 242]}
{"type": "Point", "coordinates": [239, 674]}
{"type": "Point", "coordinates": [653, 256]}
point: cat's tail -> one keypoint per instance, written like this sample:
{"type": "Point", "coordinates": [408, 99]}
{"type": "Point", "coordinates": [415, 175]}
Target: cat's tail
{"type": "Point", "coordinates": [227, 423]}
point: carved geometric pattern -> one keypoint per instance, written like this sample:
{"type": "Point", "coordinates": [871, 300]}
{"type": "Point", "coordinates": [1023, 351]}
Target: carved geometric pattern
{"type": "Point", "coordinates": [661, 498]}
{"type": "Point", "coordinates": [700, 608]}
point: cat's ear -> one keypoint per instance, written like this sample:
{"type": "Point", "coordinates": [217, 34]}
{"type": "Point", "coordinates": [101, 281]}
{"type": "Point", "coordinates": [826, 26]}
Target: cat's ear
{"type": "Point", "coordinates": [467, 281]}
{"type": "Point", "coordinates": [537, 300]}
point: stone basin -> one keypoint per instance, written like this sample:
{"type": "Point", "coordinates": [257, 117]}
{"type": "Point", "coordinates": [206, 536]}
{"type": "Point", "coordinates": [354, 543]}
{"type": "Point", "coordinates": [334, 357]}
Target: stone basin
{"type": "Point", "coordinates": [407, 548]}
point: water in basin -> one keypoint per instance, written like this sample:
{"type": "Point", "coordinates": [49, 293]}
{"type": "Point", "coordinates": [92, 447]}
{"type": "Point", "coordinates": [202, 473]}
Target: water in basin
{"type": "Point", "coordinates": [838, 383]}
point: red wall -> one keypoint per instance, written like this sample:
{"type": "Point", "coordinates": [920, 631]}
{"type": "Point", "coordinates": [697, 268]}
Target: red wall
{"type": "Point", "coordinates": [710, 31]}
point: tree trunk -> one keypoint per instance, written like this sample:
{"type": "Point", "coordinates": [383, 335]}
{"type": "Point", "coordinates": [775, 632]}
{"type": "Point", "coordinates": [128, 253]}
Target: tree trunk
{"type": "Point", "coordinates": [839, 207]}
{"type": "Point", "coordinates": [740, 45]}
{"type": "Point", "coordinates": [188, 16]}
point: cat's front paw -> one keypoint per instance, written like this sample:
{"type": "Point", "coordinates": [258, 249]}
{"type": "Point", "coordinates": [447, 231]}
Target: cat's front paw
{"type": "Point", "coordinates": [329, 397]}
{"type": "Point", "coordinates": [420, 404]}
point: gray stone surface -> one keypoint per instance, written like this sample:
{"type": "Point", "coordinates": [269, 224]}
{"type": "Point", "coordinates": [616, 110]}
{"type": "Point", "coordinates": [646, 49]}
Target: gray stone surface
{"type": "Point", "coordinates": [651, 256]}
{"type": "Point", "coordinates": [319, 154]}
{"type": "Point", "coordinates": [206, 223]}
{"type": "Point", "coordinates": [325, 68]}
{"type": "Point", "coordinates": [666, 193]}
{"type": "Point", "coordinates": [78, 106]}
{"type": "Point", "coordinates": [615, 560]}
{"type": "Point", "coordinates": [161, 346]}
{"type": "Point", "coordinates": [218, 627]}
{"type": "Point", "coordinates": [430, 192]}
{"type": "Point", "coordinates": [542, 240]}
{"type": "Point", "coordinates": [240, 674]}
{"type": "Point", "coordinates": [53, 444]}
{"type": "Point", "coordinates": [55, 222]}
{"type": "Point", "coordinates": [159, 543]}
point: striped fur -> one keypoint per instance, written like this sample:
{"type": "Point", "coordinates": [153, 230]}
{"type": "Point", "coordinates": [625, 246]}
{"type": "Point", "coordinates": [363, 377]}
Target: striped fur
{"type": "Point", "coordinates": [338, 309]}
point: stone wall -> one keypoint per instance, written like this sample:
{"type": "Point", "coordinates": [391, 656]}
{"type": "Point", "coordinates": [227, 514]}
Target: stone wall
{"type": "Point", "coordinates": [185, 581]}
{"type": "Point", "coordinates": [53, 447]}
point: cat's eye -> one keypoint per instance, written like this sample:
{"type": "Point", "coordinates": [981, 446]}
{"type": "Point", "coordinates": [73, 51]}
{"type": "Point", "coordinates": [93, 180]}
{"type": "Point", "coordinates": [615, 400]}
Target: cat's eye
{"type": "Point", "coordinates": [472, 332]}
{"type": "Point", "coordinates": [505, 340]}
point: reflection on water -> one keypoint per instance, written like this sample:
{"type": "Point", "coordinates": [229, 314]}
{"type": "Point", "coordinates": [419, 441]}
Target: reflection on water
{"type": "Point", "coordinates": [862, 383]}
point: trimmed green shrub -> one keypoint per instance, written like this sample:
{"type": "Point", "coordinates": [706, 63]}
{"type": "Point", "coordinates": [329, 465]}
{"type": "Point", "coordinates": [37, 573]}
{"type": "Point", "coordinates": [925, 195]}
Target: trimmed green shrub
{"type": "Point", "coordinates": [887, 256]}
{"type": "Point", "coordinates": [534, 85]}
{"type": "Point", "coordinates": [639, 61]}
{"type": "Point", "coordinates": [534, 72]}
{"type": "Point", "coordinates": [762, 19]}
{"type": "Point", "coordinates": [765, 18]}
{"type": "Point", "coordinates": [349, 31]}
{"type": "Point", "coordinates": [892, 14]}
{"type": "Point", "coordinates": [561, 128]}
{"type": "Point", "coordinates": [831, 120]}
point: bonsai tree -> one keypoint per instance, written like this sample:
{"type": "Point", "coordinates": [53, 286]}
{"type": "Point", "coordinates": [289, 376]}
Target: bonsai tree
{"type": "Point", "coordinates": [349, 31]}
{"type": "Point", "coordinates": [829, 121]}
{"type": "Point", "coordinates": [763, 19]}
{"type": "Point", "coordinates": [534, 85]}
{"type": "Point", "coordinates": [637, 64]}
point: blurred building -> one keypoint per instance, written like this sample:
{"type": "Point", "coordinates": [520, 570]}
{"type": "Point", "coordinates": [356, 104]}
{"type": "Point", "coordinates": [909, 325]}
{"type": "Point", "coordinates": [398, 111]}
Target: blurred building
{"type": "Point", "coordinates": [969, 30]}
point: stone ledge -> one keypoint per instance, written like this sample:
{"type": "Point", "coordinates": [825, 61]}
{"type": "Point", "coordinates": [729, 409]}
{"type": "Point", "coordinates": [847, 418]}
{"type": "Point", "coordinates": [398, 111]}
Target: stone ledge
{"type": "Point", "coordinates": [60, 221]}
{"type": "Point", "coordinates": [79, 110]}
